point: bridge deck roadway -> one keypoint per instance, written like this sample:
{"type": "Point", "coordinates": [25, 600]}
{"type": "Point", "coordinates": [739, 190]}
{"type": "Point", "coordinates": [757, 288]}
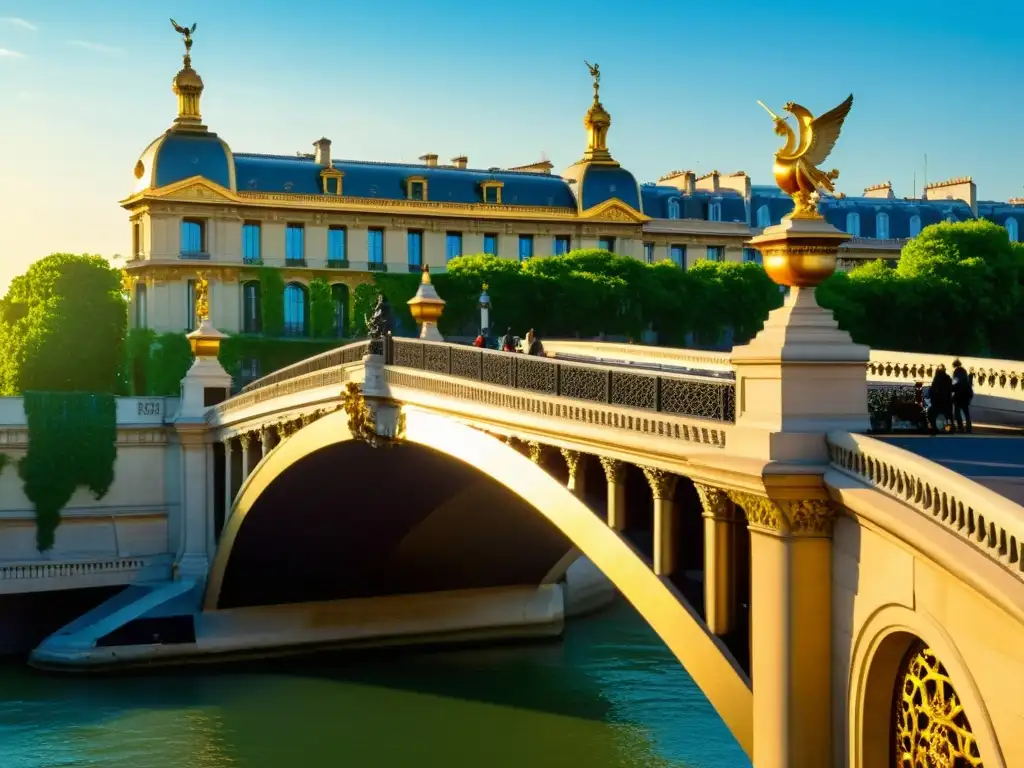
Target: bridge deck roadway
{"type": "Point", "coordinates": [992, 457]}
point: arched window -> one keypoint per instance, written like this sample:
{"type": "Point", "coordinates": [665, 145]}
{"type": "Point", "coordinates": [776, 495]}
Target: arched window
{"type": "Point", "coordinates": [140, 305]}
{"type": "Point", "coordinates": [295, 310]}
{"type": "Point", "coordinates": [882, 225]}
{"type": "Point", "coordinates": [764, 217]}
{"type": "Point", "coordinates": [915, 225]}
{"type": "Point", "coordinates": [714, 211]}
{"type": "Point", "coordinates": [673, 208]}
{"type": "Point", "coordinates": [339, 294]}
{"type": "Point", "coordinates": [1012, 229]}
{"type": "Point", "coordinates": [853, 224]}
{"type": "Point", "coordinates": [252, 321]}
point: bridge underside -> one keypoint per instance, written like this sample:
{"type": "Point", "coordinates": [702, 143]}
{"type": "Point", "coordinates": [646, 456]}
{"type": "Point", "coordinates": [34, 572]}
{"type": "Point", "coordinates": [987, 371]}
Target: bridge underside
{"type": "Point", "coordinates": [350, 521]}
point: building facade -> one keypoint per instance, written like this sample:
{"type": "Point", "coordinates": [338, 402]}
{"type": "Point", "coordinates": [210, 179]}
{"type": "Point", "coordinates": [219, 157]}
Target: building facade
{"type": "Point", "coordinates": [200, 208]}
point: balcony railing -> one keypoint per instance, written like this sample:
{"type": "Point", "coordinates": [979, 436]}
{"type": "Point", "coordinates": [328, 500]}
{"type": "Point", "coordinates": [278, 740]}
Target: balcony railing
{"type": "Point", "coordinates": [337, 263]}
{"type": "Point", "coordinates": [195, 255]}
{"type": "Point", "coordinates": [678, 395]}
{"type": "Point", "coordinates": [415, 267]}
{"type": "Point", "coordinates": [377, 266]}
{"type": "Point", "coordinates": [295, 262]}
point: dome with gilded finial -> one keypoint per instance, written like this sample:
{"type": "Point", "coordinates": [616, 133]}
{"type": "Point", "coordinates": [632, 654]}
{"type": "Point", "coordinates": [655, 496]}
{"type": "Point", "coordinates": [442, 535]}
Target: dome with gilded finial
{"type": "Point", "coordinates": [187, 148]}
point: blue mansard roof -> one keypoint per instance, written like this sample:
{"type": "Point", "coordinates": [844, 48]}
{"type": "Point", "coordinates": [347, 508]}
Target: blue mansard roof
{"type": "Point", "coordinates": [603, 182]}
{"type": "Point", "coordinates": [659, 199]}
{"type": "Point", "coordinates": [301, 175]}
{"type": "Point", "coordinates": [998, 212]}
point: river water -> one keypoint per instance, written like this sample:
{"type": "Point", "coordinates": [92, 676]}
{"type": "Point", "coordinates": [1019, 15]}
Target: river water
{"type": "Point", "coordinates": [608, 695]}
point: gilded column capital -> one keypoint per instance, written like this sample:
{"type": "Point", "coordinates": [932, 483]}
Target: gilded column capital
{"type": "Point", "coordinates": [572, 460]}
{"type": "Point", "coordinates": [227, 445]}
{"type": "Point", "coordinates": [793, 517]}
{"type": "Point", "coordinates": [663, 483]}
{"type": "Point", "coordinates": [536, 450]}
{"type": "Point", "coordinates": [716, 503]}
{"type": "Point", "coordinates": [244, 440]}
{"type": "Point", "coordinates": [308, 418]}
{"type": "Point", "coordinates": [614, 470]}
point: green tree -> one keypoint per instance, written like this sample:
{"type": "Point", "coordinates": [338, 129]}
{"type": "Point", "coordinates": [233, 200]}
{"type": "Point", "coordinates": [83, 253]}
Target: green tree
{"type": "Point", "coordinates": [62, 327]}
{"type": "Point", "coordinates": [364, 297]}
{"type": "Point", "coordinates": [321, 309]}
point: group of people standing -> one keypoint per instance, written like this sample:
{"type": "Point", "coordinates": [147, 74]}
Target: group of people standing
{"type": "Point", "coordinates": [530, 345]}
{"type": "Point", "coordinates": [951, 398]}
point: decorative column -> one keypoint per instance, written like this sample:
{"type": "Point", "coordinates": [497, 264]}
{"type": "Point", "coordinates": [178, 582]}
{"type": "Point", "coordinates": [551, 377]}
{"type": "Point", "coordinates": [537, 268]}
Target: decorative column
{"type": "Point", "coordinates": [426, 308]}
{"type": "Point", "coordinates": [205, 382]}
{"type": "Point", "coordinates": [266, 440]}
{"type": "Point", "coordinates": [790, 629]}
{"type": "Point", "coordinates": [663, 487]}
{"type": "Point", "coordinates": [615, 475]}
{"type": "Point", "coordinates": [245, 441]}
{"type": "Point", "coordinates": [536, 451]}
{"type": "Point", "coordinates": [719, 565]}
{"type": "Point", "coordinates": [229, 497]}
{"type": "Point", "coordinates": [577, 468]}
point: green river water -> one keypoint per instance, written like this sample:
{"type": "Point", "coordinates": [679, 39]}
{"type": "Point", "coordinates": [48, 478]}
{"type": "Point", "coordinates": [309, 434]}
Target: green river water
{"type": "Point", "coordinates": [609, 694]}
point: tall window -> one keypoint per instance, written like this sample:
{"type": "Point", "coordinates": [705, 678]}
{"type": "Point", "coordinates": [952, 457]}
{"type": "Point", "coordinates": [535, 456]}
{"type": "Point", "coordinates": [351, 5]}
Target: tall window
{"type": "Point", "coordinates": [563, 244]}
{"type": "Point", "coordinates": [295, 244]}
{"type": "Point", "coordinates": [190, 305]}
{"type": "Point", "coordinates": [764, 217]}
{"type": "Point", "coordinates": [915, 225]}
{"type": "Point", "coordinates": [882, 225]}
{"type": "Point", "coordinates": [414, 242]}
{"type": "Point", "coordinates": [1012, 229]}
{"type": "Point", "coordinates": [375, 245]}
{"type": "Point", "coordinates": [716, 253]}
{"type": "Point", "coordinates": [714, 211]}
{"type": "Point", "coordinates": [678, 255]}
{"type": "Point", "coordinates": [193, 237]}
{"type": "Point", "coordinates": [140, 305]}
{"type": "Point", "coordinates": [673, 208]}
{"type": "Point", "coordinates": [339, 294]}
{"type": "Point", "coordinates": [336, 247]}
{"type": "Point", "coordinates": [752, 255]}
{"type": "Point", "coordinates": [136, 239]}
{"type": "Point", "coordinates": [649, 253]}
{"type": "Point", "coordinates": [853, 224]}
{"type": "Point", "coordinates": [251, 242]}
{"type": "Point", "coordinates": [251, 319]}
{"type": "Point", "coordinates": [491, 244]}
{"type": "Point", "coordinates": [606, 244]}
{"type": "Point", "coordinates": [525, 247]}
{"type": "Point", "coordinates": [453, 246]}
{"type": "Point", "coordinates": [294, 310]}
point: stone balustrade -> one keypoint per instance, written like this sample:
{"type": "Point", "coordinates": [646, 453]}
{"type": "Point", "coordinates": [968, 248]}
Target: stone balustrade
{"type": "Point", "coordinates": [987, 520]}
{"type": "Point", "coordinates": [1000, 378]}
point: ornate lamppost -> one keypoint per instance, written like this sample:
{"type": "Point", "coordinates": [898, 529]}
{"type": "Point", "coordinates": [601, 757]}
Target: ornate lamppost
{"type": "Point", "coordinates": [485, 312]}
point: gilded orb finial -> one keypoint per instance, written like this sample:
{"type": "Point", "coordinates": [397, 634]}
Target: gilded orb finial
{"type": "Point", "coordinates": [795, 167]}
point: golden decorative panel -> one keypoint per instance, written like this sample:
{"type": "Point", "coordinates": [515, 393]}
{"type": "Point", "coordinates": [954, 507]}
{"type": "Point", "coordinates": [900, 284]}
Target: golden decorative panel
{"type": "Point", "coordinates": [930, 728]}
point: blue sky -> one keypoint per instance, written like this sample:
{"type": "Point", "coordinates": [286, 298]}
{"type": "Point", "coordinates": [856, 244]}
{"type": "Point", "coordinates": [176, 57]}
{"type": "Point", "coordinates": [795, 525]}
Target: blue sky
{"type": "Point", "coordinates": [85, 86]}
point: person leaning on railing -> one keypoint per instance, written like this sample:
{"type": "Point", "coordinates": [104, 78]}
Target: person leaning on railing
{"type": "Point", "coordinates": [963, 393]}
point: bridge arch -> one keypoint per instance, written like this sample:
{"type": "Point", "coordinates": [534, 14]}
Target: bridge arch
{"type": "Point", "coordinates": [701, 653]}
{"type": "Point", "coordinates": [878, 655]}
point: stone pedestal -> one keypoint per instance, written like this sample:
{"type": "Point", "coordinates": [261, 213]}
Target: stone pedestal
{"type": "Point", "coordinates": [801, 376]}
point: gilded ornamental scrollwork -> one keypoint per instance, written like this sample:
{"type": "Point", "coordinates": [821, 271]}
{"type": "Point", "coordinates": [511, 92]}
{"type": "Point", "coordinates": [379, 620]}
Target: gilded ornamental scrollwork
{"type": "Point", "coordinates": [536, 451]}
{"type": "Point", "coordinates": [614, 470]}
{"type": "Point", "coordinates": [663, 483]}
{"type": "Point", "coordinates": [716, 502]}
{"type": "Point", "coordinates": [795, 517]}
{"type": "Point", "coordinates": [572, 460]}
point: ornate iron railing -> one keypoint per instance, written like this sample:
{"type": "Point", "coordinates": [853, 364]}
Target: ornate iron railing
{"type": "Point", "coordinates": [675, 394]}
{"type": "Point", "coordinates": [350, 353]}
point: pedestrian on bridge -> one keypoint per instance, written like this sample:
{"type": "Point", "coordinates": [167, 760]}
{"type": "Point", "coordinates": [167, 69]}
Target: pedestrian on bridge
{"type": "Point", "coordinates": [963, 393]}
{"type": "Point", "coordinates": [508, 341]}
{"type": "Point", "coordinates": [941, 395]}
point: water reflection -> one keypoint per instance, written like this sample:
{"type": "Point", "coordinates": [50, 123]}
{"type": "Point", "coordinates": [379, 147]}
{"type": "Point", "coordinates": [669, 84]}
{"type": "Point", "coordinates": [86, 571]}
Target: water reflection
{"type": "Point", "coordinates": [609, 695]}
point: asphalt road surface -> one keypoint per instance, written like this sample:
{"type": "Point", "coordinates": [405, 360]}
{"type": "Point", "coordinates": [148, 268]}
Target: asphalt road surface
{"type": "Point", "coordinates": [994, 459]}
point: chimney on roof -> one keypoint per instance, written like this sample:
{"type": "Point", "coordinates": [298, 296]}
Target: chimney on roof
{"type": "Point", "coordinates": [883, 190]}
{"type": "Point", "coordinates": [430, 159]}
{"type": "Point", "coordinates": [322, 154]}
{"type": "Point", "coordinates": [961, 188]}
{"type": "Point", "coordinates": [460, 162]}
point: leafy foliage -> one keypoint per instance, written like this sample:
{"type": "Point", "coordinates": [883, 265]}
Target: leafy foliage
{"type": "Point", "coordinates": [364, 297]}
{"type": "Point", "coordinates": [62, 327]}
{"type": "Point", "coordinates": [955, 290]}
{"type": "Point", "coordinates": [271, 301]}
{"type": "Point", "coordinates": [271, 354]}
{"type": "Point", "coordinates": [321, 309]}
{"type": "Point", "coordinates": [72, 441]}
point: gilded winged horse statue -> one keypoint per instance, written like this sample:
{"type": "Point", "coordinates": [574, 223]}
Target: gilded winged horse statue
{"type": "Point", "coordinates": [796, 164]}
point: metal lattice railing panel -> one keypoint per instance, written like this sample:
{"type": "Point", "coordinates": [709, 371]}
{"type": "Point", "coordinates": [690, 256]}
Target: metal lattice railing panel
{"type": "Point", "coordinates": [703, 399]}
{"type": "Point", "coordinates": [499, 369]}
{"type": "Point", "coordinates": [537, 375]}
{"type": "Point", "coordinates": [435, 359]}
{"type": "Point", "coordinates": [634, 390]}
{"type": "Point", "coordinates": [584, 383]}
{"type": "Point", "coordinates": [466, 362]}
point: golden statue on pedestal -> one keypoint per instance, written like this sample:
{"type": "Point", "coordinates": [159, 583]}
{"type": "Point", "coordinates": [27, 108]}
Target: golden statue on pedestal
{"type": "Point", "coordinates": [795, 168]}
{"type": "Point", "coordinates": [202, 298]}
